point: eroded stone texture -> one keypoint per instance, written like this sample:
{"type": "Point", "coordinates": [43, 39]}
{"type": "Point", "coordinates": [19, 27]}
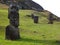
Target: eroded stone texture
{"type": "Point", "coordinates": [51, 19]}
{"type": "Point", "coordinates": [12, 33]}
{"type": "Point", "coordinates": [36, 18]}
{"type": "Point", "coordinates": [32, 16]}
{"type": "Point", "coordinates": [12, 30]}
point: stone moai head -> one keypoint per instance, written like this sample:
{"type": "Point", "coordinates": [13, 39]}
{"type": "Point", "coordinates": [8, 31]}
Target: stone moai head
{"type": "Point", "coordinates": [36, 18]}
{"type": "Point", "coordinates": [50, 18]}
{"type": "Point", "coordinates": [13, 14]}
{"type": "Point", "coordinates": [32, 16]}
{"type": "Point", "coordinates": [13, 8]}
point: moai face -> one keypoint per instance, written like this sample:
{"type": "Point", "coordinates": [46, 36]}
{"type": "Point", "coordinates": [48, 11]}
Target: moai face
{"type": "Point", "coordinates": [13, 8]}
{"type": "Point", "coordinates": [14, 15]}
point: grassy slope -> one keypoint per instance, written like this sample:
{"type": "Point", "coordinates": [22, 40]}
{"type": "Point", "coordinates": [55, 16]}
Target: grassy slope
{"type": "Point", "coordinates": [31, 34]}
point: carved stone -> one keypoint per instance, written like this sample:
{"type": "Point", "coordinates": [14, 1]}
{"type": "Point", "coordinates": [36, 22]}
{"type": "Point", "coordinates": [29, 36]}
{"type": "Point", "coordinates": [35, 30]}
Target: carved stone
{"type": "Point", "coordinates": [12, 33]}
{"type": "Point", "coordinates": [32, 16]}
{"type": "Point", "coordinates": [12, 30]}
{"type": "Point", "coordinates": [51, 19]}
{"type": "Point", "coordinates": [36, 19]}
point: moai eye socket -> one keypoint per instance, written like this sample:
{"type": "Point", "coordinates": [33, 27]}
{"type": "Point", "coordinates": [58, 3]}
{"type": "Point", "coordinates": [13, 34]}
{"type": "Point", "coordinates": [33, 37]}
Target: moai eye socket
{"type": "Point", "coordinates": [16, 8]}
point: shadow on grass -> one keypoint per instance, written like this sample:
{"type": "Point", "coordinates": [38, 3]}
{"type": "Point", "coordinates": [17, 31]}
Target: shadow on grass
{"type": "Point", "coordinates": [39, 41]}
{"type": "Point", "coordinates": [49, 42]}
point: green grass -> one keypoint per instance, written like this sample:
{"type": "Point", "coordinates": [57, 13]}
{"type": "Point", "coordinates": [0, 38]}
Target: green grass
{"type": "Point", "coordinates": [31, 34]}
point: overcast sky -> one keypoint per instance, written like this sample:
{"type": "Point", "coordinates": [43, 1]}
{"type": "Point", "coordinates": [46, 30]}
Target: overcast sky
{"type": "Point", "coordinates": [50, 5]}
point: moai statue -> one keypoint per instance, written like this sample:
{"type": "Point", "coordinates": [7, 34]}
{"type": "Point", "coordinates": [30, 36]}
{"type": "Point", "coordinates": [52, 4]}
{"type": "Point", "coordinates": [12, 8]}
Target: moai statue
{"type": "Point", "coordinates": [36, 18]}
{"type": "Point", "coordinates": [50, 18]}
{"type": "Point", "coordinates": [12, 30]}
{"type": "Point", "coordinates": [32, 16]}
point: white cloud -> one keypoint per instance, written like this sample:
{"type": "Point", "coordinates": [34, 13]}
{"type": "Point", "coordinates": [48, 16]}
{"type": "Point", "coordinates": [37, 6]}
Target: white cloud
{"type": "Point", "coordinates": [50, 5]}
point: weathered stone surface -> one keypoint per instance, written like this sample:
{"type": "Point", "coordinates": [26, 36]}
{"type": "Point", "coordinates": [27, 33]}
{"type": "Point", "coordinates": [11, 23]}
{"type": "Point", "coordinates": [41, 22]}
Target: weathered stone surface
{"type": "Point", "coordinates": [32, 16]}
{"type": "Point", "coordinates": [13, 16]}
{"type": "Point", "coordinates": [51, 19]}
{"type": "Point", "coordinates": [36, 19]}
{"type": "Point", "coordinates": [12, 31]}
{"type": "Point", "coordinates": [14, 19]}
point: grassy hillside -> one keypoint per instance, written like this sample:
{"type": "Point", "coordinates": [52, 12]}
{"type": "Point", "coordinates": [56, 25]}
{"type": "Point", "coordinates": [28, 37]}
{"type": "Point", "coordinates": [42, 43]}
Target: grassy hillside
{"type": "Point", "coordinates": [31, 34]}
{"type": "Point", "coordinates": [3, 6]}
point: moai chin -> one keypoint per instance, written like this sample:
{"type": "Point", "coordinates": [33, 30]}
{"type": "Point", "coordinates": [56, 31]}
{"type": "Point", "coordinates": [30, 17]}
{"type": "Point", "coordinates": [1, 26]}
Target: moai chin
{"type": "Point", "coordinates": [12, 30]}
